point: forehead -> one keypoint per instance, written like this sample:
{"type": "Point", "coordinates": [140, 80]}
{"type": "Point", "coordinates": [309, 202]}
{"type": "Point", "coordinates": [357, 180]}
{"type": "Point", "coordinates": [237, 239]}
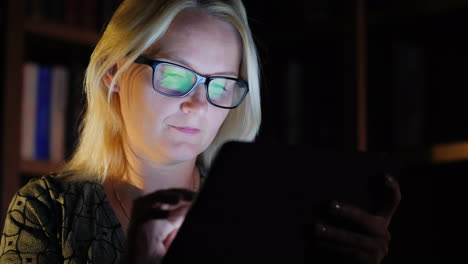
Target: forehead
{"type": "Point", "coordinates": [200, 41]}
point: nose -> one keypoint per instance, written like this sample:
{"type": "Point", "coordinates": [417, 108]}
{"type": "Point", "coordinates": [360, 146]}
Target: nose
{"type": "Point", "coordinates": [195, 101]}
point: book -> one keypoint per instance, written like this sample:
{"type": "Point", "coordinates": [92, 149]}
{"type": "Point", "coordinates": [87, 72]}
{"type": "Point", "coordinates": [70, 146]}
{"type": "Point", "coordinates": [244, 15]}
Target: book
{"type": "Point", "coordinates": [42, 131]}
{"type": "Point", "coordinates": [28, 110]}
{"type": "Point", "coordinates": [59, 94]}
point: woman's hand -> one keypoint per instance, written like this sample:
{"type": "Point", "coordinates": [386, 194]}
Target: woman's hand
{"type": "Point", "coordinates": [154, 222]}
{"type": "Point", "coordinates": [369, 246]}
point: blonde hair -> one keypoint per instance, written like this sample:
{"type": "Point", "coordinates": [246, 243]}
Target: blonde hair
{"type": "Point", "coordinates": [134, 27]}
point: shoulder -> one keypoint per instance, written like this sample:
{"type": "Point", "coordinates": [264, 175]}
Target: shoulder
{"type": "Point", "coordinates": [59, 188]}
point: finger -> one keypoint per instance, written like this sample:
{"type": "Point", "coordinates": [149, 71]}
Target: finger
{"type": "Point", "coordinates": [394, 198]}
{"type": "Point", "coordinates": [168, 241]}
{"type": "Point", "coordinates": [159, 230]}
{"type": "Point", "coordinates": [172, 207]}
{"type": "Point", "coordinates": [157, 213]}
{"type": "Point", "coordinates": [371, 224]}
{"type": "Point", "coordinates": [151, 231]}
{"type": "Point", "coordinates": [349, 239]}
{"type": "Point", "coordinates": [156, 199]}
{"type": "Point", "coordinates": [184, 194]}
{"type": "Point", "coordinates": [343, 237]}
{"type": "Point", "coordinates": [163, 211]}
{"type": "Point", "coordinates": [348, 252]}
{"type": "Point", "coordinates": [178, 216]}
{"type": "Point", "coordinates": [170, 196]}
{"type": "Point", "coordinates": [149, 214]}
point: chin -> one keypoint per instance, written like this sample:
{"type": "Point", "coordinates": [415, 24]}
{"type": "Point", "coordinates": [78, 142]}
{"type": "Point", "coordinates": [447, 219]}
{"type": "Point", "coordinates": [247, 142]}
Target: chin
{"type": "Point", "coordinates": [184, 151]}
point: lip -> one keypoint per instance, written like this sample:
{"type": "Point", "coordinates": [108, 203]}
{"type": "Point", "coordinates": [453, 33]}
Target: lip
{"type": "Point", "coordinates": [187, 130]}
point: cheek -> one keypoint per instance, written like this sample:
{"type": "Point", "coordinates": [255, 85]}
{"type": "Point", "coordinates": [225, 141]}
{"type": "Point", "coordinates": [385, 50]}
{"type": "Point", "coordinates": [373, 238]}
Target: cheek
{"type": "Point", "coordinates": [140, 104]}
{"type": "Point", "coordinates": [217, 119]}
{"type": "Point", "coordinates": [151, 112]}
{"type": "Point", "coordinates": [135, 102]}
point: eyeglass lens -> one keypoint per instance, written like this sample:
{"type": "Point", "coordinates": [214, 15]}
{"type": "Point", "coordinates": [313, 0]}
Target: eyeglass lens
{"type": "Point", "coordinates": [176, 81]}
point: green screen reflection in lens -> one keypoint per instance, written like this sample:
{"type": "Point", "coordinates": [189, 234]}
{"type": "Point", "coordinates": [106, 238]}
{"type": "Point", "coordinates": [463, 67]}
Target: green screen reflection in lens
{"type": "Point", "coordinates": [176, 78]}
{"type": "Point", "coordinates": [217, 88]}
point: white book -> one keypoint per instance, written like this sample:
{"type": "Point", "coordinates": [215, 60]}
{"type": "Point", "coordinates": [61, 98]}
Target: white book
{"type": "Point", "coordinates": [59, 95]}
{"type": "Point", "coordinates": [28, 109]}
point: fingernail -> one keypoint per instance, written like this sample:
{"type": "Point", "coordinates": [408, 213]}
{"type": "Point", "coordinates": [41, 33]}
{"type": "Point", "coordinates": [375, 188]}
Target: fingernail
{"type": "Point", "coordinates": [321, 228]}
{"type": "Point", "coordinates": [336, 206]}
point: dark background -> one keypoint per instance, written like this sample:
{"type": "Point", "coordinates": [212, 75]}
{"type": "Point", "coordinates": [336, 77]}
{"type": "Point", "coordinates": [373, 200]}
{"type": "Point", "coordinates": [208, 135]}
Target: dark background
{"type": "Point", "coordinates": [416, 98]}
{"type": "Point", "coordinates": [416, 92]}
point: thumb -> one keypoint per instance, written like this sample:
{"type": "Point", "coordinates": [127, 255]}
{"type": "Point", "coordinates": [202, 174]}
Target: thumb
{"type": "Point", "coordinates": [393, 200]}
{"type": "Point", "coordinates": [168, 241]}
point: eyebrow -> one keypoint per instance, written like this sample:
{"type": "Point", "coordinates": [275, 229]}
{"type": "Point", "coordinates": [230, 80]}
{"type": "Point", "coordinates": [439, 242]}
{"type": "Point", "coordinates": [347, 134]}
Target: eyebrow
{"type": "Point", "coordinates": [181, 61]}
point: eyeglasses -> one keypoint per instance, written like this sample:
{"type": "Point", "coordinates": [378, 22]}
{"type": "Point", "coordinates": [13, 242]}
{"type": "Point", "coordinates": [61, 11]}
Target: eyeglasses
{"type": "Point", "coordinates": [174, 80]}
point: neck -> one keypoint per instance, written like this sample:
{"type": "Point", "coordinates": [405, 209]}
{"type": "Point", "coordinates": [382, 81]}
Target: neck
{"type": "Point", "coordinates": [144, 176]}
{"type": "Point", "coordinates": [152, 177]}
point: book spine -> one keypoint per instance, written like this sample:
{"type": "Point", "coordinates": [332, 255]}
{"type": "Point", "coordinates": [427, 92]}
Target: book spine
{"type": "Point", "coordinates": [58, 107]}
{"type": "Point", "coordinates": [43, 115]}
{"type": "Point", "coordinates": [28, 115]}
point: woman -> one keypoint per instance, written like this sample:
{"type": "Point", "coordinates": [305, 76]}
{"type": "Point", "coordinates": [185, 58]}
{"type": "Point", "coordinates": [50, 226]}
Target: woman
{"type": "Point", "coordinates": [167, 85]}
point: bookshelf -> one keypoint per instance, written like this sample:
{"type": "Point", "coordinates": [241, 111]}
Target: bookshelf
{"type": "Point", "coordinates": [36, 167]}
{"type": "Point", "coordinates": [63, 32]}
{"type": "Point", "coordinates": [46, 41]}
{"type": "Point", "coordinates": [417, 110]}
{"type": "Point", "coordinates": [417, 84]}
{"type": "Point", "coordinates": [11, 104]}
{"type": "Point", "coordinates": [400, 103]}
{"type": "Point", "coordinates": [312, 46]}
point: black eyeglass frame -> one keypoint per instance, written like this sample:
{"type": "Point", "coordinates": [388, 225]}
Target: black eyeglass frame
{"type": "Point", "coordinates": [200, 79]}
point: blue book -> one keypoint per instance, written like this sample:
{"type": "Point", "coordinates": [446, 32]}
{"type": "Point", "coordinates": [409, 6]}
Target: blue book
{"type": "Point", "coordinates": [42, 151]}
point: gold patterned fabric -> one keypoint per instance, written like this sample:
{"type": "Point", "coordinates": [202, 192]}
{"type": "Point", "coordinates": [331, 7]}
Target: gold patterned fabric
{"type": "Point", "coordinates": [52, 220]}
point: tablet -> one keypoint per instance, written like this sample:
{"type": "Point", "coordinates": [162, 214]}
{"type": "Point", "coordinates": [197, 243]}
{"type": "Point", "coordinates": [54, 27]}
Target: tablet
{"type": "Point", "coordinates": [259, 202]}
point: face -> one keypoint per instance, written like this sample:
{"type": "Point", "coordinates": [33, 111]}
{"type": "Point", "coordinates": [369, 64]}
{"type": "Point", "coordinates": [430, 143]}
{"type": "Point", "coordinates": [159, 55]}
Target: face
{"type": "Point", "coordinates": [171, 130]}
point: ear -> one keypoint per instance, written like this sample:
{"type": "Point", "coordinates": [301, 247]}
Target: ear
{"type": "Point", "coordinates": [109, 77]}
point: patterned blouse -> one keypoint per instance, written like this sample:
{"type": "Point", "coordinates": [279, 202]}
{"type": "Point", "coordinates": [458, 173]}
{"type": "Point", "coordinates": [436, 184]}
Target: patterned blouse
{"type": "Point", "coordinates": [51, 220]}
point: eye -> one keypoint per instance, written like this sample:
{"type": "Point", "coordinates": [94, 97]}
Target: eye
{"type": "Point", "coordinates": [217, 88]}
{"type": "Point", "coordinates": [175, 78]}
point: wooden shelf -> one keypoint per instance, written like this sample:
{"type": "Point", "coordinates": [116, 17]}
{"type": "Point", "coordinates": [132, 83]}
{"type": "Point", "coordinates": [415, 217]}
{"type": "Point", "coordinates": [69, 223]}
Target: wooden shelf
{"type": "Point", "coordinates": [62, 32]}
{"type": "Point", "coordinates": [38, 167]}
